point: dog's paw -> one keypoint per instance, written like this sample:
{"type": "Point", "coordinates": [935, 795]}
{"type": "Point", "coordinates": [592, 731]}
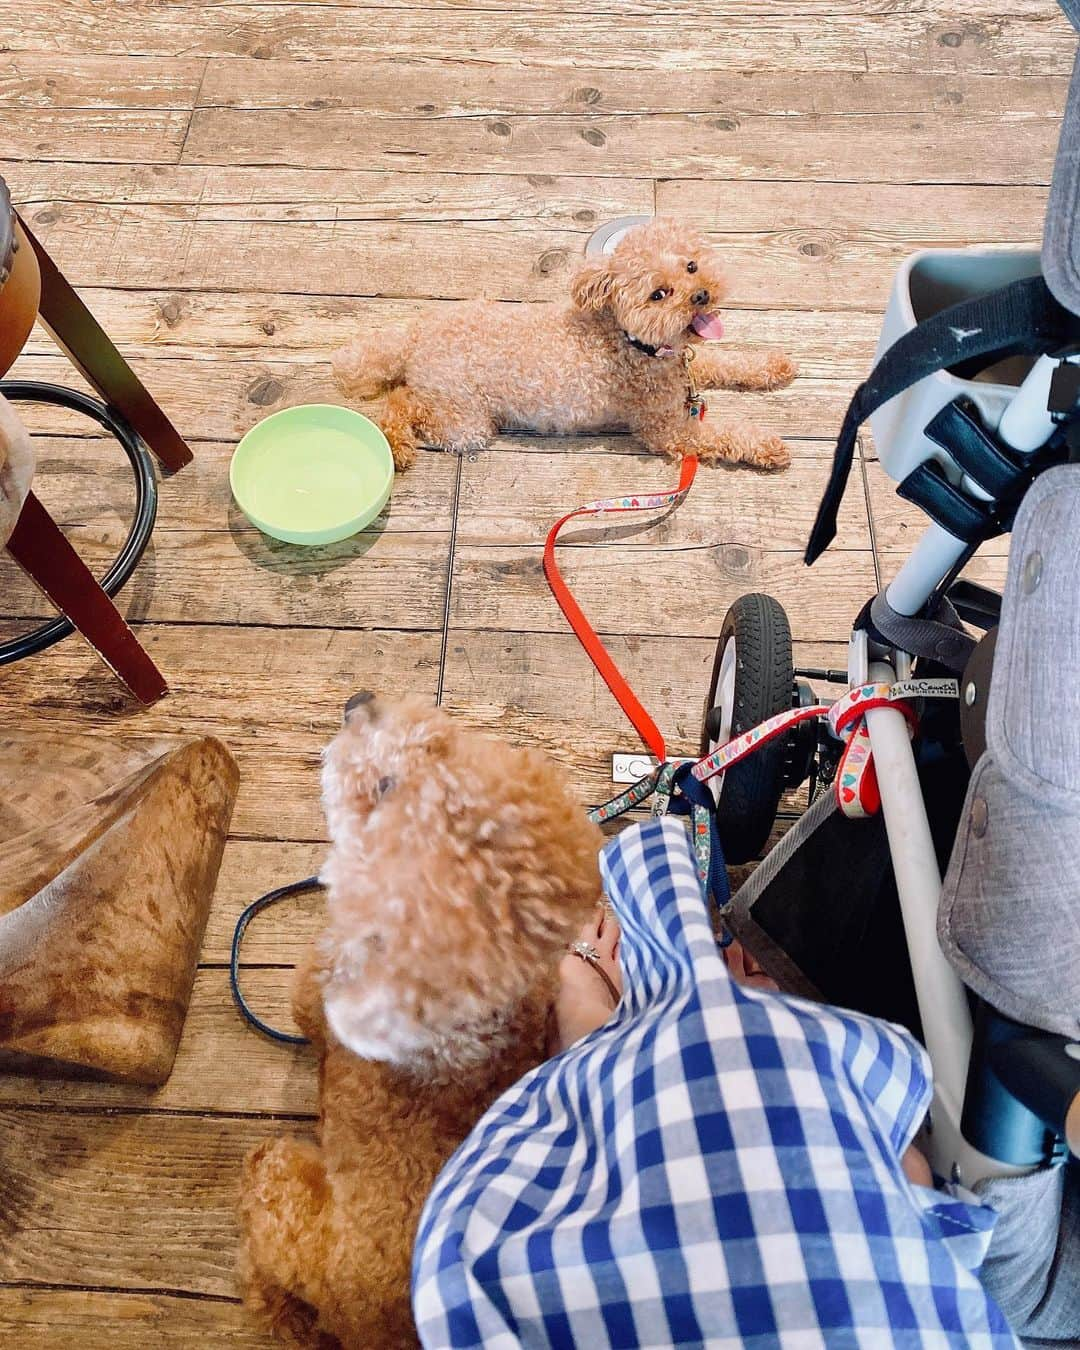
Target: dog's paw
{"type": "Point", "coordinates": [772, 454]}
{"type": "Point", "coordinates": [780, 370]}
{"type": "Point", "coordinates": [404, 454]}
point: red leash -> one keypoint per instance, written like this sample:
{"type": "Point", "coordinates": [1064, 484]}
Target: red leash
{"type": "Point", "coordinates": [856, 781]}
{"type": "Point", "coordinates": [588, 637]}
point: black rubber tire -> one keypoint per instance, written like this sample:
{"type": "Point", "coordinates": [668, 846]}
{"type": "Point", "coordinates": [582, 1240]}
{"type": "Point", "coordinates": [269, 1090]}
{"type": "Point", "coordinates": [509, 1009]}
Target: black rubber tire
{"type": "Point", "coordinates": [764, 684]}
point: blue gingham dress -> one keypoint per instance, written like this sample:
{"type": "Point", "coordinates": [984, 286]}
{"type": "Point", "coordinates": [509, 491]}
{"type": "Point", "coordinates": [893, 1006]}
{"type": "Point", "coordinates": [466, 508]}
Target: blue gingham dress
{"type": "Point", "coordinates": [715, 1166]}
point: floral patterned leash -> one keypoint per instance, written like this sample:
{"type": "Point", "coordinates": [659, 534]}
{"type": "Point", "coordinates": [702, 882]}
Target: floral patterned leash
{"type": "Point", "coordinates": [856, 785]}
{"type": "Point", "coordinates": [675, 785]}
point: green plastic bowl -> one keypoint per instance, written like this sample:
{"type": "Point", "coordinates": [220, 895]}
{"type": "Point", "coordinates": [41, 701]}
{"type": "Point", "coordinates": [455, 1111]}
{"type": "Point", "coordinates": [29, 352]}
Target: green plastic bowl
{"type": "Point", "coordinates": [313, 474]}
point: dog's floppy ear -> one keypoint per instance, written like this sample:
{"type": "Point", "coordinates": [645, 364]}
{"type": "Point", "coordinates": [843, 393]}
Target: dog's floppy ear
{"type": "Point", "coordinates": [592, 287]}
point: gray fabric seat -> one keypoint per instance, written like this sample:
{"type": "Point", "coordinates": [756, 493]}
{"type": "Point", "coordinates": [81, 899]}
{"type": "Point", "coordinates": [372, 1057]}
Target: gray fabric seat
{"type": "Point", "coordinates": [1009, 919]}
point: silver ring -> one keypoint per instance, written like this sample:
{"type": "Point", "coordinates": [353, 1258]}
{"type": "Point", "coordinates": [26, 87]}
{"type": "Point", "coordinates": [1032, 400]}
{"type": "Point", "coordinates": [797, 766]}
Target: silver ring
{"type": "Point", "coordinates": [588, 953]}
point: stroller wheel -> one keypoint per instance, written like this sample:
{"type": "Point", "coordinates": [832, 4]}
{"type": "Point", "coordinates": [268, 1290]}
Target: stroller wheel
{"type": "Point", "coordinates": [752, 679]}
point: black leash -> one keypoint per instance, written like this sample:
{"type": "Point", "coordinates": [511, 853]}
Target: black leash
{"type": "Point", "coordinates": [256, 907]}
{"type": "Point", "coordinates": [687, 797]}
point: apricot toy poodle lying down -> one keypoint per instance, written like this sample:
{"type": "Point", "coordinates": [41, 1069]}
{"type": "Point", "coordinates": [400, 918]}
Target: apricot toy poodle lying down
{"type": "Point", "coordinates": [626, 354]}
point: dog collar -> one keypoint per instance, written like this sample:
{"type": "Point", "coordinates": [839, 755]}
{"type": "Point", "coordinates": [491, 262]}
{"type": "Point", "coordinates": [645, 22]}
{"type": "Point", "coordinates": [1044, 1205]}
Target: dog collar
{"type": "Point", "coordinates": [644, 347]}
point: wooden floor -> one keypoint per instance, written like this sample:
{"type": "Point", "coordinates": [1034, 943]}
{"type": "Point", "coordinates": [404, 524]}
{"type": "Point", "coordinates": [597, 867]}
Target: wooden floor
{"type": "Point", "coordinates": [237, 187]}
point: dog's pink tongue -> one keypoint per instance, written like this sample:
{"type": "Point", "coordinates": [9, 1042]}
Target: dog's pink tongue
{"type": "Point", "coordinates": [708, 326]}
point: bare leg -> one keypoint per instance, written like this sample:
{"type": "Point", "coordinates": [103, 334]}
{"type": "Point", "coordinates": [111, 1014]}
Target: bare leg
{"type": "Point", "coordinates": [916, 1168]}
{"type": "Point", "coordinates": [718, 368]}
{"type": "Point", "coordinates": [744, 970]}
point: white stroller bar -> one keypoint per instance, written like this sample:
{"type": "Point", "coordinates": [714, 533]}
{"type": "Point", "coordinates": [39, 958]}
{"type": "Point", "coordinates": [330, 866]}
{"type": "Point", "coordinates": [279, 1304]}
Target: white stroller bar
{"type": "Point", "coordinates": [1025, 425]}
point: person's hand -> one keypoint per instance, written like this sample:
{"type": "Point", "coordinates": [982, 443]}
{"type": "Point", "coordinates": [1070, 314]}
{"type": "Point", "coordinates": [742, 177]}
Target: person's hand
{"type": "Point", "coordinates": [584, 1001]}
{"type": "Point", "coordinates": [745, 970]}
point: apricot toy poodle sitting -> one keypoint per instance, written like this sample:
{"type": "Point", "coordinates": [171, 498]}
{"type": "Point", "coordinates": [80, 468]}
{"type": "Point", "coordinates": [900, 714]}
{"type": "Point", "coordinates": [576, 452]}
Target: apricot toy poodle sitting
{"type": "Point", "coordinates": [626, 354]}
{"type": "Point", "coordinates": [458, 870]}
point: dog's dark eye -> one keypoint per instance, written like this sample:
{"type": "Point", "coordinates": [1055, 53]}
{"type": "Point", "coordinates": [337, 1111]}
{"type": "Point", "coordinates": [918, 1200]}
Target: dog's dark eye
{"type": "Point", "coordinates": [691, 267]}
{"type": "Point", "coordinates": [385, 785]}
{"type": "Point", "coordinates": [658, 295]}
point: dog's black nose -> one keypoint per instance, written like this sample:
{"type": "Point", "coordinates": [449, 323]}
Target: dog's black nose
{"type": "Point", "coordinates": [363, 699]}
{"type": "Point", "coordinates": [700, 297]}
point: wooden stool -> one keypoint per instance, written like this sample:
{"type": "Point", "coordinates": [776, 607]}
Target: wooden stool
{"type": "Point", "coordinates": [32, 287]}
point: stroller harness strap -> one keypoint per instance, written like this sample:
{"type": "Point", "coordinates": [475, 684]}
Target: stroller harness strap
{"type": "Point", "coordinates": [1021, 318]}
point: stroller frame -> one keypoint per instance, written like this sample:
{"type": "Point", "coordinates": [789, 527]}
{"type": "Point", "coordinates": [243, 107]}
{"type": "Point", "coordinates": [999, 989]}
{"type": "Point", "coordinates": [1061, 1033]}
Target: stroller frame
{"type": "Point", "coordinates": [941, 996]}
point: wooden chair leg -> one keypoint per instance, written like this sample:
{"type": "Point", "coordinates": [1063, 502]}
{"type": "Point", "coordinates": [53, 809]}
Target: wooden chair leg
{"type": "Point", "coordinates": [43, 551]}
{"type": "Point", "coordinates": [94, 356]}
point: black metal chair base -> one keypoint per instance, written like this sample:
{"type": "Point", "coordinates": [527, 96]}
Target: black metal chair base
{"type": "Point", "coordinates": [146, 497]}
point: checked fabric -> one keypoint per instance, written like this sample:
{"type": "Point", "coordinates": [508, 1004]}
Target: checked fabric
{"type": "Point", "coordinates": [715, 1166]}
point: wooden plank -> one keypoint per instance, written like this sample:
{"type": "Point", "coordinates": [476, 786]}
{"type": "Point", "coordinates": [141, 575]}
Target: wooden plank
{"type": "Point", "coordinates": [250, 867]}
{"type": "Point", "coordinates": [323, 194]}
{"type": "Point", "coordinates": [970, 11]}
{"type": "Point", "coordinates": [988, 568]}
{"type": "Point", "coordinates": [929, 128]}
{"type": "Point", "coordinates": [444, 88]}
{"type": "Point", "coordinates": [199, 247]}
{"type": "Point", "coordinates": [86, 484]}
{"type": "Point", "coordinates": [53, 80]}
{"type": "Point", "coordinates": [222, 1065]}
{"type": "Point", "coordinates": [541, 690]}
{"type": "Point", "coordinates": [59, 107]}
{"type": "Point", "coordinates": [281, 934]}
{"type": "Point", "coordinates": [131, 135]}
{"type": "Point", "coordinates": [668, 591]}
{"type": "Point", "coordinates": [310, 231]}
{"type": "Point", "coordinates": [219, 401]}
{"type": "Point", "coordinates": [788, 37]}
{"type": "Point", "coordinates": [736, 532]}
{"type": "Point", "coordinates": [724, 148]}
{"type": "Point", "coordinates": [789, 245]}
{"type": "Point", "coordinates": [508, 498]}
{"type": "Point", "coordinates": [244, 578]}
{"type": "Point", "coordinates": [274, 698]}
{"type": "Point", "coordinates": [210, 400]}
{"type": "Point", "coordinates": [234, 326]}
{"type": "Point", "coordinates": [208, 563]}
{"type": "Point", "coordinates": [293, 692]}
{"type": "Point", "coordinates": [126, 1201]}
{"type": "Point", "coordinates": [837, 246]}
{"type": "Point", "coordinates": [80, 1319]}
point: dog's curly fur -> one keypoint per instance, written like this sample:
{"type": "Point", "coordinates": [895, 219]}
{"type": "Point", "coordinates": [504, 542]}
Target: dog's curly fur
{"type": "Point", "coordinates": [456, 379]}
{"type": "Point", "coordinates": [458, 869]}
